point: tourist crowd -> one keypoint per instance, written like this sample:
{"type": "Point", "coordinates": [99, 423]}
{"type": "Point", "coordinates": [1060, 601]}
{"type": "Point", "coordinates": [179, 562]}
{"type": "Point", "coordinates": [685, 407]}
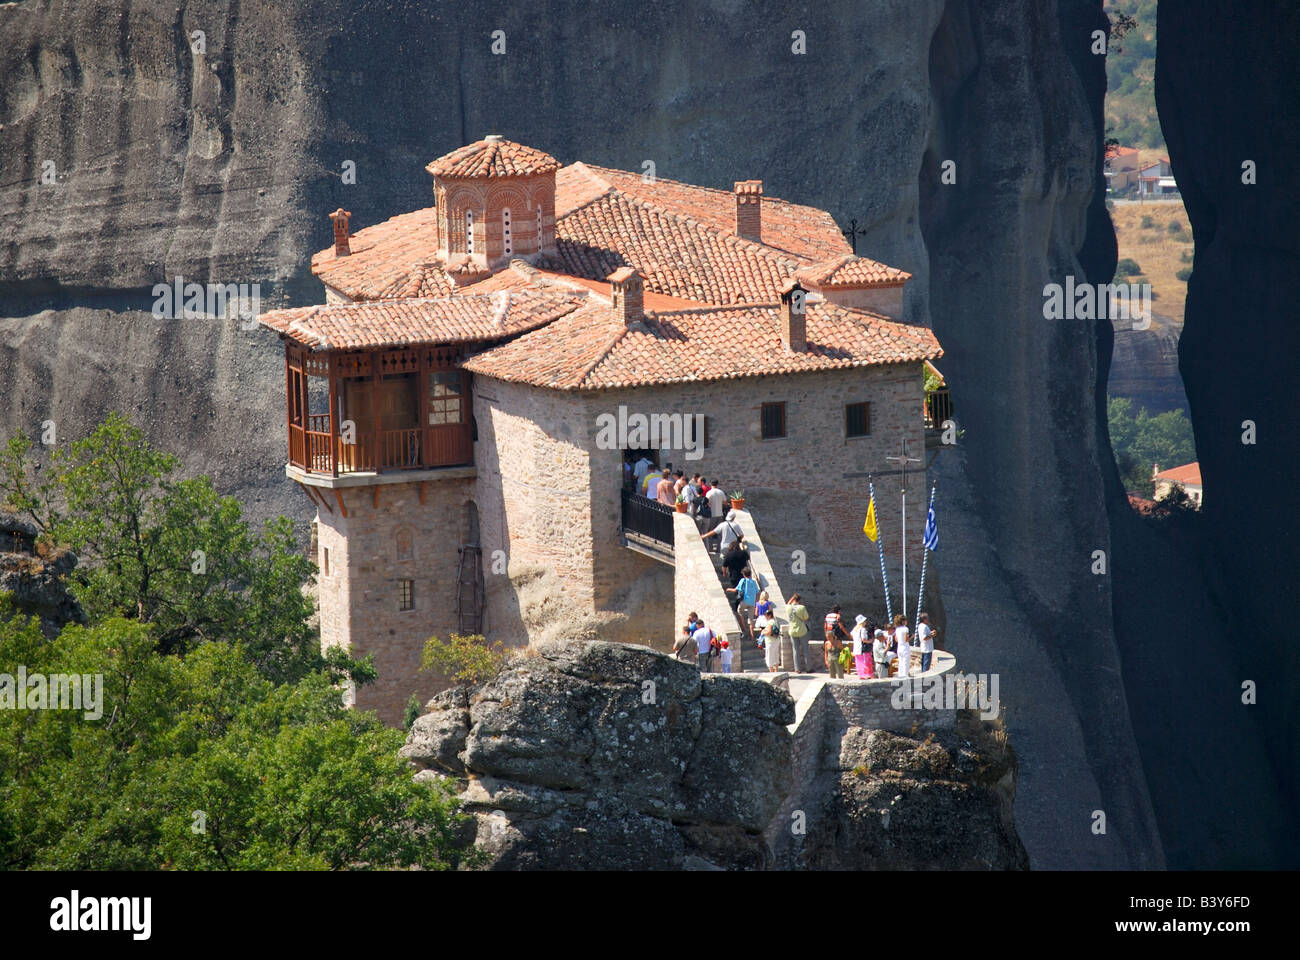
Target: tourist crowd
{"type": "Point", "coordinates": [869, 649]}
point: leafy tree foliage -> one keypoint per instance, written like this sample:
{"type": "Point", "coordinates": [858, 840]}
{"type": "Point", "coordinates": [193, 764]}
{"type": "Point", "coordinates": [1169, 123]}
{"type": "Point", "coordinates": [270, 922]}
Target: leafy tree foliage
{"type": "Point", "coordinates": [201, 763]}
{"type": "Point", "coordinates": [1140, 441]}
{"type": "Point", "coordinates": [223, 741]}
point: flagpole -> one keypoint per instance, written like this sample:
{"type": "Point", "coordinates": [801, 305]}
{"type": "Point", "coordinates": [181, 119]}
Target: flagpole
{"type": "Point", "coordinates": [925, 558]}
{"type": "Point", "coordinates": [880, 547]}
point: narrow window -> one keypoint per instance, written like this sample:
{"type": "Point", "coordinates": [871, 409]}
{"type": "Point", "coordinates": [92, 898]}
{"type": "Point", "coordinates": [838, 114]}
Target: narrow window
{"type": "Point", "coordinates": [325, 560]}
{"type": "Point", "coordinates": [469, 231]}
{"type": "Point", "coordinates": [446, 392]}
{"type": "Point", "coordinates": [405, 594]}
{"type": "Point", "coordinates": [539, 226]}
{"type": "Point", "coordinates": [857, 419]}
{"type": "Point", "coordinates": [505, 232]}
{"type": "Point", "coordinates": [773, 420]}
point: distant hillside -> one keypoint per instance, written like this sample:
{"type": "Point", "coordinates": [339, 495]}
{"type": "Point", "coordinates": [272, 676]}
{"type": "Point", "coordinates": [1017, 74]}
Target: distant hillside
{"type": "Point", "coordinates": [1130, 77]}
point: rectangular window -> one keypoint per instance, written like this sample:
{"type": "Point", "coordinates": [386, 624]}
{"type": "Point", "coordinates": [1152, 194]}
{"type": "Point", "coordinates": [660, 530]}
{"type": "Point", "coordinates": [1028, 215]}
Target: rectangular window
{"type": "Point", "coordinates": [773, 421]}
{"type": "Point", "coordinates": [325, 561]}
{"type": "Point", "coordinates": [405, 594]}
{"type": "Point", "coordinates": [857, 419]}
{"type": "Point", "coordinates": [506, 240]}
{"type": "Point", "coordinates": [469, 231]}
{"type": "Point", "coordinates": [446, 397]}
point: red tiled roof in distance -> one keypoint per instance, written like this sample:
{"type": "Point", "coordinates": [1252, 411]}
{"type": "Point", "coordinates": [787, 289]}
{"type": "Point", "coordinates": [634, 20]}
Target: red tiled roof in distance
{"type": "Point", "coordinates": [590, 350]}
{"type": "Point", "coordinates": [789, 228]}
{"type": "Point", "coordinates": [851, 272]}
{"type": "Point", "coordinates": [1113, 151]}
{"type": "Point", "coordinates": [401, 323]}
{"type": "Point", "coordinates": [1187, 473]}
{"type": "Point", "coordinates": [396, 258]}
{"type": "Point", "coordinates": [493, 156]}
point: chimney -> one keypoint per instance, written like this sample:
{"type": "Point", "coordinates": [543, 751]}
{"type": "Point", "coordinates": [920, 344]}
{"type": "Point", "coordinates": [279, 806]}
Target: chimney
{"type": "Point", "coordinates": [341, 234]}
{"type": "Point", "coordinates": [749, 209]}
{"type": "Point", "coordinates": [625, 292]}
{"type": "Point", "coordinates": [794, 324]}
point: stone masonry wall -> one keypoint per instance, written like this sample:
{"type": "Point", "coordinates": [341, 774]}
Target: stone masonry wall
{"type": "Point", "coordinates": [359, 596]}
{"type": "Point", "coordinates": [796, 487]}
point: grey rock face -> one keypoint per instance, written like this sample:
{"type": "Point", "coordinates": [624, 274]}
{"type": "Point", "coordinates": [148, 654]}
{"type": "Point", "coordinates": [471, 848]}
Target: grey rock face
{"type": "Point", "coordinates": [613, 756]}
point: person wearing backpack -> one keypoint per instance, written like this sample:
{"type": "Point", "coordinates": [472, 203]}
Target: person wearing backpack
{"type": "Point", "coordinates": [798, 615]}
{"type": "Point", "coordinates": [703, 637]}
{"type": "Point", "coordinates": [746, 591]}
{"type": "Point", "coordinates": [833, 645]}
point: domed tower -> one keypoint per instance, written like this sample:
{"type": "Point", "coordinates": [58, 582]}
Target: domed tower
{"type": "Point", "coordinates": [496, 202]}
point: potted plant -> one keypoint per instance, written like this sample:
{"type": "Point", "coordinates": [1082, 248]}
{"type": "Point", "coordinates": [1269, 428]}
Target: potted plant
{"type": "Point", "coordinates": [737, 499]}
{"type": "Point", "coordinates": [682, 504]}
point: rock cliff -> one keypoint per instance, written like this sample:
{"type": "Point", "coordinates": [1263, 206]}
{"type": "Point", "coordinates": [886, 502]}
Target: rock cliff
{"type": "Point", "coordinates": [217, 160]}
{"type": "Point", "coordinates": [604, 756]}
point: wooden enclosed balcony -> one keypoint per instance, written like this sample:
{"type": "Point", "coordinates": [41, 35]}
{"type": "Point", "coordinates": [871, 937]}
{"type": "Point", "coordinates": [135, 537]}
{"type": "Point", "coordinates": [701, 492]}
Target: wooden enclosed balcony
{"type": "Point", "coordinates": [377, 411]}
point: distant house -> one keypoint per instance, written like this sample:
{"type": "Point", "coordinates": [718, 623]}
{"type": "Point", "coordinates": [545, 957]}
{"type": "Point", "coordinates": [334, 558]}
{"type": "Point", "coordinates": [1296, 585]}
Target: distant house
{"type": "Point", "coordinates": [1188, 476]}
{"type": "Point", "coordinates": [1157, 179]}
{"type": "Point", "coordinates": [1121, 167]}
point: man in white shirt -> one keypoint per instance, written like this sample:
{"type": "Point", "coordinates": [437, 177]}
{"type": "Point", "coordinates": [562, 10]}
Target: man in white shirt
{"type": "Point", "coordinates": [643, 466]}
{"type": "Point", "coordinates": [717, 500]}
{"type": "Point", "coordinates": [925, 638]}
{"type": "Point", "coordinates": [904, 647]}
{"type": "Point", "coordinates": [727, 531]}
{"type": "Point", "coordinates": [702, 636]}
{"type": "Point", "coordinates": [880, 653]}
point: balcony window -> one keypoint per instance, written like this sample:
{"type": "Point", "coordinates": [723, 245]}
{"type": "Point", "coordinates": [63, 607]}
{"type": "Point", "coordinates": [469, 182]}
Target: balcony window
{"type": "Point", "coordinates": [446, 397]}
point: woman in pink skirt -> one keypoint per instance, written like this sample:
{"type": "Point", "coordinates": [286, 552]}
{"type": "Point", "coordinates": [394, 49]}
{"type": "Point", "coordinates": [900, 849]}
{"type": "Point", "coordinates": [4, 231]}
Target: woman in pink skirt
{"type": "Point", "coordinates": [861, 648]}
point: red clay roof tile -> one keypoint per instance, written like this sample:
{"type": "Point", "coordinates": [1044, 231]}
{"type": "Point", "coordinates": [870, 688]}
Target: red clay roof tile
{"type": "Point", "coordinates": [493, 157]}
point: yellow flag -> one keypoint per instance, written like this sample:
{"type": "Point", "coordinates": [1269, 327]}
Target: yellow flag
{"type": "Point", "coordinates": [869, 527]}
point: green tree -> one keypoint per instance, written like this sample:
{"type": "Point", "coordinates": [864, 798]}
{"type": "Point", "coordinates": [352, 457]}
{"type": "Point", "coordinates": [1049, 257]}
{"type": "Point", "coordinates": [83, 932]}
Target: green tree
{"type": "Point", "coordinates": [1140, 441]}
{"type": "Point", "coordinates": [169, 552]}
{"type": "Point", "coordinates": [200, 762]}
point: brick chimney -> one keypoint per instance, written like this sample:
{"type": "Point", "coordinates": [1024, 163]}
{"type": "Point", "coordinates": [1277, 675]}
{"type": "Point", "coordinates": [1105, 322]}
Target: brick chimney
{"type": "Point", "coordinates": [794, 324]}
{"type": "Point", "coordinates": [625, 288]}
{"type": "Point", "coordinates": [341, 234]}
{"type": "Point", "coordinates": [749, 209]}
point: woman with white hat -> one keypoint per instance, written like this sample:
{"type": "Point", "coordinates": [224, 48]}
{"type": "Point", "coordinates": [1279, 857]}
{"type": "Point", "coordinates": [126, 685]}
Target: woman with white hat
{"type": "Point", "coordinates": [860, 646]}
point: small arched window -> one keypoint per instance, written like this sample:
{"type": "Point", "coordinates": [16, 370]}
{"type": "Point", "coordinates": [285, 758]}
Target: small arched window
{"type": "Point", "coordinates": [469, 231]}
{"type": "Point", "coordinates": [506, 240]}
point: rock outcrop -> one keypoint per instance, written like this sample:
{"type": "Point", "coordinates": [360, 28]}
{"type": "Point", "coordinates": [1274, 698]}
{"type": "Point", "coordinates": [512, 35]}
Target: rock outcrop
{"type": "Point", "coordinates": [34, 581]}
{"type": "Point", "coordinates": [611, 756]}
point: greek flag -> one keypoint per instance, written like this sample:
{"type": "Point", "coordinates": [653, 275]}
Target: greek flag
{"type": "Point", "coordinates": [931, 530]}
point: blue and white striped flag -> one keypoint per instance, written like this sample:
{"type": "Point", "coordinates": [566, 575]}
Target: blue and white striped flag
{"type": "Point", "coordinates": [931, 529]}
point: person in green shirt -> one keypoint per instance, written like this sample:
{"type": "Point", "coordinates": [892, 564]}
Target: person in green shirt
{"type": "Point", "coordinates": [798, 616]}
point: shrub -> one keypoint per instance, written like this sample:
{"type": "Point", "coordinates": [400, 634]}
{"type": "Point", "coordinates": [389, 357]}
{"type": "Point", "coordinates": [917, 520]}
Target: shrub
{"type": "Point", "coordinates": [463, 659]}
{"type": "Point", "coordinates": [1184, 274]}
{"type": "Point", "coordinates": [1186, 256]}
{"type": "Point", "coordinates": [1147, 223]}
{"type": "Point", "coordinates": [1127, 267]}
{"type": "Point", "coordinates": [1175, 226]}
{"type": "Point", "coordinates": [1182, 237]}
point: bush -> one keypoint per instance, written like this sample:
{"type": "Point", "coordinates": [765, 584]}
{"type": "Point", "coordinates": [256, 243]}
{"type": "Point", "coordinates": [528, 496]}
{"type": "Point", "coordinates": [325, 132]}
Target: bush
{"type": "Point", "coordinates": [1147, 223]}
{"type": "Point", "coordinates": [1127, 267]}
{"type": "Point", "coordinates": [1184, 274]}
{"type": "Point", "coordinates": [1182, 237]}
{"type": "Point", "coordinates": [1186, 256]}
{"type": "Point", "coordinates": [1175, 226]}
{"type": "Point", "coordinates": [463, 659]}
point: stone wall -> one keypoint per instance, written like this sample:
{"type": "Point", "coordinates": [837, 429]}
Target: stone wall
{"type": "Point", "coordinates": [797, 487]}
{"type": "Point", "coordinates": [359, 596]}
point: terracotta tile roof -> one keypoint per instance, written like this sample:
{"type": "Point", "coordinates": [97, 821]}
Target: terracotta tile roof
{"type": "Point", "coordinates": [681, 237]}
{"type": "Point", "coordinates": [1187, 473]}
{"type": "Point", "coordinates": [1113, 151]}
{"type": "Point", "coordinates": [493, 157]}
{"type": "Point", "coordinates": [677, 255]}
{"type": "Point", "coordinates": [795, 230]}
{"type": "Point", "coordinates": [851, 271]}
{"type": "Point", "coordinates": [396, 258]}
{"type": "Point", "coordinates": [400, 323]}
{"type": "Point", "coordinates": [591, 349]}
{"type": "Point", "coordinates": [522, 274]}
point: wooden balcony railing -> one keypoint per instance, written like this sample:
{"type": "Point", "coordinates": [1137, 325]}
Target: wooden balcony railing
{"type": "Point", "coordinates": [317, 451]}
